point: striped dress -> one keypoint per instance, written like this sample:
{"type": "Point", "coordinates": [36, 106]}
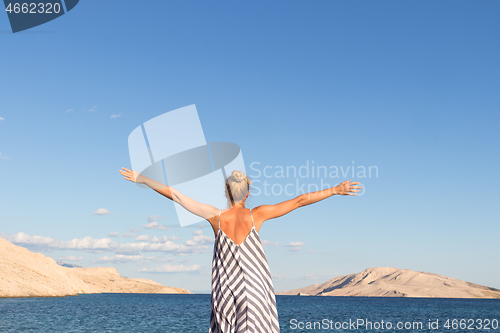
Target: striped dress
{"type": "Point", "coordinates": [243, 298]}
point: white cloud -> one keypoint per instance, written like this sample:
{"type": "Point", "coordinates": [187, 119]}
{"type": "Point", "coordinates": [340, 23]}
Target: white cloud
{"type": "Point", "coordinates": [295, 246]}
{"type": "Point", "coordinates": [69, 110]}
{"type": "Point", "coordinates": [2, 157]}
{"type": "Point", "coordinates": [156, 218]}
{"type": "Point", "coordinates": [269, 243]}
{"type": "Point", "coordinates": [142, 238]}
{"type": "Point", "coordinates": [102, 211]}
{"type": "Point", "coordinates": [163, 239]}
{"type": "Point", "coordinates": [115, 116]}
{"type": "Point", "coordinates": [92, 109]}
{"type": "Point", "coordinates": [2, 119]}
{"type": "Point", "coordinates": [153, 218]}
{"type": "Point", "coordinates": [155, 225]}
{"type": "Point", "coordinates": [192, 246]}
{"type": "Point", "coordinates": [119, 258]}
{"type": "Point", "coordinates": [199, 238]}
{"type": "Point", "coordinates": [158, 259]}
{"type": "Point", "coordinates": [180, 249]}
{"type": "Point", "coordinates": [114, 234]}
{"type": "Point", "coordinates": [71, 258]}
{"type": "Point", "coordinates": [86, 243]}
{"type": "Point", "coordinates": [172, 269]}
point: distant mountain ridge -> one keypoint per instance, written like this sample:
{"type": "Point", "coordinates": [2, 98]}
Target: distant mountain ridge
{"type": "Point", "coordinates": [65, 264]}
{"type": "Point", "coordinates": [394, 282]}
{"type": "Point", "coordinates": [27, 274]}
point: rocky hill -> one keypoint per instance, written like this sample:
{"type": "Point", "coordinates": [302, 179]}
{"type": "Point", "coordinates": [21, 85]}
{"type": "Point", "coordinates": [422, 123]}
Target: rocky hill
{"type": "Point", "coordinates": [394, 282]}
{"type": "Point", "coordinates": [27, 274]}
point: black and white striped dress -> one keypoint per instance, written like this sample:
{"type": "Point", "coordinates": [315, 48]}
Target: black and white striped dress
{"type": "Point", "coordinates": [243, 298]}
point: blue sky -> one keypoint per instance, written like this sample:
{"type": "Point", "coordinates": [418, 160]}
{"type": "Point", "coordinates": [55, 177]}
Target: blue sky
{"type": "Point", "coordinates": [410, 88]}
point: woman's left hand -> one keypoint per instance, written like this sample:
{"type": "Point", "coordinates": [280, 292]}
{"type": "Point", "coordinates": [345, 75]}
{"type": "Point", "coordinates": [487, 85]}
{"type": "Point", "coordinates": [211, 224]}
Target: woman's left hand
{"type": "Point", "coordinates": [348, 188]}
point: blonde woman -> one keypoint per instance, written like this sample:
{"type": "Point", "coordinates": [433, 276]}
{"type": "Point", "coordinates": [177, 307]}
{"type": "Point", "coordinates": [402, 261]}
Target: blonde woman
{"type": "Point", "coordinates": [243, 297]}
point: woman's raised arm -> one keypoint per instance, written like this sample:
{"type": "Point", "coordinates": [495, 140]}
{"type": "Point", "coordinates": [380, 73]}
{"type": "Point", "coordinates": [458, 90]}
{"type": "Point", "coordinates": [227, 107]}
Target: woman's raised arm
{"type": "Point", "coordinates": [267, 212]}
{"type": "Point", "coordinates": [203, 210]}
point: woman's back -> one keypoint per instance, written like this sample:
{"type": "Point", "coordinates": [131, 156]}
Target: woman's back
{"type": "Point", "coordinates": [236, 223]}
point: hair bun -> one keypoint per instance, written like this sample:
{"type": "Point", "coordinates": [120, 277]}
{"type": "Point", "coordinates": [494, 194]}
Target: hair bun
{"type": "Point", "coordinates": [237, 188]}
{"type": "Point", "coordinates": [238, 176]}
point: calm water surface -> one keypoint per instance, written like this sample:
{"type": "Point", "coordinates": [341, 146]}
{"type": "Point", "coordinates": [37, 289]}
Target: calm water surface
{"type": "Point", "coordinates": [190, 313]}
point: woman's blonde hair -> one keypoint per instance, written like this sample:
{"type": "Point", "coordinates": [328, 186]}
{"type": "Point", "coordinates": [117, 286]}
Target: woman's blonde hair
{"type": "Point", "coordinates": [237, 187]}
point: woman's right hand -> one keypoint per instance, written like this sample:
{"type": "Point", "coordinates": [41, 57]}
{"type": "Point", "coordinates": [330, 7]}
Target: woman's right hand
{"type": "Point", "coordinates": [347, 188]}
{"type": "Point", "coordinates": [131, 175]}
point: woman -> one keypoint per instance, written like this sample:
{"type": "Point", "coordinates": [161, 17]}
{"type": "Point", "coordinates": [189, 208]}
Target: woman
{"type": "Point", "coordinates": [242, 291]}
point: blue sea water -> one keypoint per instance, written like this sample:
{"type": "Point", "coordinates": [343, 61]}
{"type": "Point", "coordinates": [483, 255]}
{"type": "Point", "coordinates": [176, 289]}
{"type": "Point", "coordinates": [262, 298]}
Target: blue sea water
{"type": "Point", "coordinates": [190, 313]}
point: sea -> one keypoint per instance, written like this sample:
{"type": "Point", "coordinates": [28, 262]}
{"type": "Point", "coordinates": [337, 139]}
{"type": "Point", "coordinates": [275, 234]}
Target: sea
{"type": "Point", "coordinates": [191, 313]}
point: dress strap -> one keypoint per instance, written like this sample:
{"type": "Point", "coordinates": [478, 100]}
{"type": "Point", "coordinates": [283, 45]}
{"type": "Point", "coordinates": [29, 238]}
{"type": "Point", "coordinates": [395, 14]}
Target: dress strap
{"type": "Point", "coordinates": [252, 218]}
{"type": "Point", "coordinates": [219, 218]}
